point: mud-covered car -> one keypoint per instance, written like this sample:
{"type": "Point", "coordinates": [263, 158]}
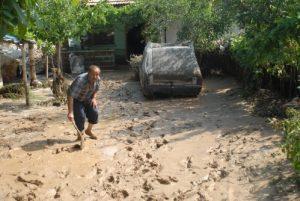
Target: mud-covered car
{"type": "Point", "coordinates": [170, 70]}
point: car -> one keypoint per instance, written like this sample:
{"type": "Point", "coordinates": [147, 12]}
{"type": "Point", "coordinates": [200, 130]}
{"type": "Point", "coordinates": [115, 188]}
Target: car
{"type": "Point", "coordinates": [170, 70]}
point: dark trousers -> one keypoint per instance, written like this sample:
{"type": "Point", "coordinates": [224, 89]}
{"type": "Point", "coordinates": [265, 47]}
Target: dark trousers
{"type": "Point", "coordinates": [83, 109]}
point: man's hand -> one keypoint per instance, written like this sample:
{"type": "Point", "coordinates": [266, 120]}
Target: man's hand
{"type": "Point", "coordinates": [94, 103]}
{"type": "Point", "coordinates": [70, 116]}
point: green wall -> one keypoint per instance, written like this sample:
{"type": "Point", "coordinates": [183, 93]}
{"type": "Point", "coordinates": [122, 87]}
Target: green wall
{"type": "Point", "coordinates": [120, 44]}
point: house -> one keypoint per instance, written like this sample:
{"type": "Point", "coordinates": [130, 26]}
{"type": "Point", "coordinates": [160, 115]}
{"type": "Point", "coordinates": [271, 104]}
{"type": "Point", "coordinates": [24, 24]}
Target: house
{"type": "Point", "coordinates": [169, 35]}
{"type": "Point", "coordinates": [10, 57]}
{"type": "Point", "coordinates": [108, 49]}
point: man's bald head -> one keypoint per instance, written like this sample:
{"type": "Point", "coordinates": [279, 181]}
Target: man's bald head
{"type": "Point", "coordinates": [94, 73]}
{"type": "Point", "coordinates": [94, 68]}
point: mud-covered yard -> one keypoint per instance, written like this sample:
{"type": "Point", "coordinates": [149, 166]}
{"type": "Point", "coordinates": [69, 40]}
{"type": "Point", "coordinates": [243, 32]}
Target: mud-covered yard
{"type": "Point", "coordinates": [205, 148]}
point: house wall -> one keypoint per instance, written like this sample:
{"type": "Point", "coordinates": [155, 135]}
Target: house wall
{"type": "Point", "coordinates": [171, 32]}
{"type": "Point", "coordinates": [120, 44]}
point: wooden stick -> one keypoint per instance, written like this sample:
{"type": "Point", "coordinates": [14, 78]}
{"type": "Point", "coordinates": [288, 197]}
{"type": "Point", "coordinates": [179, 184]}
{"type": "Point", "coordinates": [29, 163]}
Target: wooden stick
{"type": "Point", "coordinates": [81, 135]}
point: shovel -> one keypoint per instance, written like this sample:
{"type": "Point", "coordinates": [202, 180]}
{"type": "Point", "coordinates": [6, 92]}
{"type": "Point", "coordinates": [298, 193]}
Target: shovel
{"type": "Point", "coordinates": [81, 135]}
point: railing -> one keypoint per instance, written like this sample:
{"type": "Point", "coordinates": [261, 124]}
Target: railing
{"type": "Point", "coordinates": [103, 58]}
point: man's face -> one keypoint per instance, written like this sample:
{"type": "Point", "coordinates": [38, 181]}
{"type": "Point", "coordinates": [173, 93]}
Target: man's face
{"type": "Point", "coordinates": [94, 75]}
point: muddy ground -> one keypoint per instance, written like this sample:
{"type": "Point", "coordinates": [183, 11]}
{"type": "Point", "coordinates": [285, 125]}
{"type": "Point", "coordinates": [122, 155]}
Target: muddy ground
{"type": "Point", "coordinates": [205, 148]}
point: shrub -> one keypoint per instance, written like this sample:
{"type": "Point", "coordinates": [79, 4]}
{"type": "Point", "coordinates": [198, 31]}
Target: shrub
{"type": "Point", "coordinates": [135, 63]}
{"type": "Point", "coordinates": [291, 128]}
{"type": "Point", "coordinates": [12, 91]}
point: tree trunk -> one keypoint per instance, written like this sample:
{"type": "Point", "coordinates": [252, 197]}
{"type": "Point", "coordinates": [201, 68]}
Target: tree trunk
{"type": "Point", "coordinates": [52, 62]}
{"type": "Point", "coordinates": [33, 79]}
{"type": "Point", "coordinates": [47, 66]}
{"type": "Point", "coordinates": [58, 50]}
{"type": "Point", "coordinates": [24, 72]}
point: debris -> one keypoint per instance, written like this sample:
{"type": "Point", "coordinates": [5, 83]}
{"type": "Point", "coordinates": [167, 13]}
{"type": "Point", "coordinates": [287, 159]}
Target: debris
{"type": "Point", "coordinates": [129, 148]}
{"type": "Point", "coordinates": [189, 162]}
{"type": "Point", "coordinates": [129, 141]}
{"type": "Point", "coordinates": [58, 191]}
{"type": "Point", "coordinates": [163, 181]}
{"type": "Point", "coordinates": [146, 186]}
{"type": "Point", "coordinates": [213, 164]}
{"type": "Point", "coordinates": [148, 155]}
{"type": "Point", "coordinates": [35, 182]}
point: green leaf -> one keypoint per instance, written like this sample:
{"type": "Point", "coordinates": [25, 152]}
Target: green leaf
{"type": "Point", "coordinates": [20, 13]}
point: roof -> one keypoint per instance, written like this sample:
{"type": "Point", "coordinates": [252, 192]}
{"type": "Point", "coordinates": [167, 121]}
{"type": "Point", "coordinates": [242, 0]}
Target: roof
{"type": "Point", "coordinates": [11, 39]}
{"type": "Point", "coordinates": [112, 2]}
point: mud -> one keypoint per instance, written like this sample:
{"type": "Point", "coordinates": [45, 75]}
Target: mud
{"type": "Point", "coordinates": [205, 148]}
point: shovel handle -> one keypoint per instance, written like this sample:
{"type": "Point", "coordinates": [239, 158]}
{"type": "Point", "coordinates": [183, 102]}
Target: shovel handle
{"type": "Point", "coordinates": [80, 133]}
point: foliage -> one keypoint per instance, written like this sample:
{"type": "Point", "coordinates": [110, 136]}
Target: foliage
{"type": "Point", "coordinates": [203, 22]}
{"type": "Point", "coordinates": [158, 14]}
{"type": "Point", "coordinates": [271, 34]}
{"type": "Point", "coordinates": [135, 64]}
{"type": "Point", "coordinates": [291, 127]}
{"type": "Point", "coordinates": [15, 17]}
{"type": "Point", "coordinates": [12, 91]}
{"type": "Point", "coordinates": [58, 20]}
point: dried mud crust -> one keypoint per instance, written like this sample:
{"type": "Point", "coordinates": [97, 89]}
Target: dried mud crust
{"type": "Point", "coordinates": [205, 148]}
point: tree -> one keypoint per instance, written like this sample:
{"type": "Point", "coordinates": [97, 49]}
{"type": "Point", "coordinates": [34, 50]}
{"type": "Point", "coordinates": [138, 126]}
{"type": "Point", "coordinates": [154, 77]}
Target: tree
{"type": "Point", "coordinates": [15, 18]}
{"type": "Point", "coordinates": [271, 33]}
{"type": "Point", "coordinates": [158, 14]}
{"type": "Point", "coordinates": [58, 20]}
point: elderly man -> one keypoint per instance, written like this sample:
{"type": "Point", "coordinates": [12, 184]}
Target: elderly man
{"type": "Point", "coordinates": [82, 100]}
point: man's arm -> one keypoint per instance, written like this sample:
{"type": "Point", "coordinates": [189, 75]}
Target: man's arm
{"type": "Point", "coordinates": [73, 90]}
{"type": "Point", "coordinates": [94, 101]}
{"type": "Point", "coordinates": [70, 108]}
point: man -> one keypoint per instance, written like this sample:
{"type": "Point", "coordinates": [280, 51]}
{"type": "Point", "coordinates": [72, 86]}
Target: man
{"type": "Point", "coordinates": [82, 100]}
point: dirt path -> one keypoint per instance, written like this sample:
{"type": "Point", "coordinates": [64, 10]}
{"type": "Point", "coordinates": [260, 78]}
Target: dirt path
{"type": "Point", "coordinates": [205, 148]}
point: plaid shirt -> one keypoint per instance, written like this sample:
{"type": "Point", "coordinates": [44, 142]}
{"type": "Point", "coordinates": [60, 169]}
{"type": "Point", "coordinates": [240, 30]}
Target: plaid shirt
{"type": "Point", "coordinates": [81, 90]}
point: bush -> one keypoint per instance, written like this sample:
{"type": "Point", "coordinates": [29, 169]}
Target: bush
{"type": "Point", "coordinates": [12, 91]}
{"type": "Point", "coordinates": [291, 128]}
{"type": "Point", "coordinates": [135, 63]}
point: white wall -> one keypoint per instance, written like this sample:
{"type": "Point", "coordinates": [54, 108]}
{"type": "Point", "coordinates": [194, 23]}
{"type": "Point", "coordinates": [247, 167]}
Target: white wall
{"type": "Point", "coordinates": [170, 34]}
